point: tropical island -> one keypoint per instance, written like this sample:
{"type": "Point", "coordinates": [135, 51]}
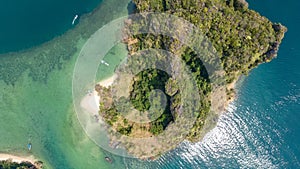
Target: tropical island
{"type": "Point", "coordinates": [242, 38]}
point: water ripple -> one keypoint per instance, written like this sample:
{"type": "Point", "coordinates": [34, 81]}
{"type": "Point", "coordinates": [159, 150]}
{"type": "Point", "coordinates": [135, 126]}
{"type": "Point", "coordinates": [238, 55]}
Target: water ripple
{"type": "Point", "coordinates": [240, 140]}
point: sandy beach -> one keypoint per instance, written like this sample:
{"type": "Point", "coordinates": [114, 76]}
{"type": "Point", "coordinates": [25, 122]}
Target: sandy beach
{"type": "Point", "coordinates": [109, 81]}
{"type": "Point", "coordinates": [90, 102]}
{"type": "Point", "coordinates": [17, 159]}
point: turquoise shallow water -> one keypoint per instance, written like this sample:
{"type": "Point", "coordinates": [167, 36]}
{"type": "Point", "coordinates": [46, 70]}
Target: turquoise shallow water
{"type": "Point", "coordinates": [260, 130]}
{"type": "Point", "coordinates": [38, 108]}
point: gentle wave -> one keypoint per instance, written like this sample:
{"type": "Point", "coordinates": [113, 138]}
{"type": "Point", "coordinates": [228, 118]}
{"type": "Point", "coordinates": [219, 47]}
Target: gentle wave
{"type": "Point", "coordinates": [238, 140]}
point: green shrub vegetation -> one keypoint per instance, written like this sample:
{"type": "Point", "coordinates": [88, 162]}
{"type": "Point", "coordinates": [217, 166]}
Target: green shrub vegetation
{"type": "Point", "coordinates": [8, 164]}
{"type": "Point", "coordinates": [242, 38]}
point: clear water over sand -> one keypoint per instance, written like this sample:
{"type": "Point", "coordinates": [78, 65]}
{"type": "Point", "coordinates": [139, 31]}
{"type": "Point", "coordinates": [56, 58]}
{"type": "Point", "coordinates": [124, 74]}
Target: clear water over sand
{"type": "Point", "coordinates": [261, 128]}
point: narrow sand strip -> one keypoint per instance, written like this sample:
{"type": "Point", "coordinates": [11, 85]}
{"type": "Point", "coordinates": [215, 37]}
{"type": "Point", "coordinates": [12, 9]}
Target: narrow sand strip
{"type": "Point", "coordinates": [90, 102]}
{"type": "Point", "coordinates": [17, 159]}
{"type": "Point", "coordinates": [108, 82]}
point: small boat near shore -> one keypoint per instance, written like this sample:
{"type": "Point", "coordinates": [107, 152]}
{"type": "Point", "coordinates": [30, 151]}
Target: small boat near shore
{"type": "Point", "coordinates": [105, 63]}
{"type": "Point", "coordinates": [74, 19]}
{"type": "Point", "coordinates": [108, 159]}
{"type": "Point", "coordinates": [29, 146]}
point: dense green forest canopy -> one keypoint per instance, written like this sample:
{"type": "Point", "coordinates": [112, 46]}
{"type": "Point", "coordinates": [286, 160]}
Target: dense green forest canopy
{"type": "Point", "coordinates": [241, 37]}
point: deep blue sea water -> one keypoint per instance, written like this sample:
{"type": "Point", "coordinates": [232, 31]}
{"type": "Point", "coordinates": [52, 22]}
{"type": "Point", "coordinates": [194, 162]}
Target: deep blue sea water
{"type": "Point", "coordinates": [261, 128]}
{"type": "Point", "coordinates": [24, 24]}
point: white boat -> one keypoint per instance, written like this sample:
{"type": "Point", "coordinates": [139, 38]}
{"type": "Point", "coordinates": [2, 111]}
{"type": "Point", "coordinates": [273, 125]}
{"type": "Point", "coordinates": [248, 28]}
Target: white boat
{"type": "Point", "coordinates": [75, 18]}
{"type": "Point", "coordinates": [103, 62]}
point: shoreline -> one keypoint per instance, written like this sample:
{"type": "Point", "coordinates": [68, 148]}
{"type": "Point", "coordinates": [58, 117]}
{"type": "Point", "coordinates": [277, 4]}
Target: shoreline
{"type": "Point", "coordinates": [222, 106]}
{"type": "Point", "coordinates": [18, 159]}
{"type": "Point", "coordinates": [91, 101]}
{"type": "Point", "coordinates": [108, 81]}
{"type": "Point", "coordinates": [232, 96]}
